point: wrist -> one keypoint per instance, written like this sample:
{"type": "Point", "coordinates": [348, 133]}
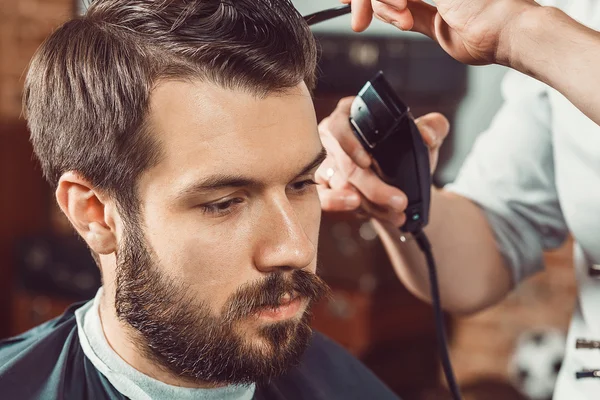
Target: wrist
{"type": "Point", "coordinates": [524, 35]}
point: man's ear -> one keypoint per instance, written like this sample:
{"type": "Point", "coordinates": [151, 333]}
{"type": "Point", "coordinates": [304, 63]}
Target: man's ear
{"type": "Point", "coordinates": [91, 212]}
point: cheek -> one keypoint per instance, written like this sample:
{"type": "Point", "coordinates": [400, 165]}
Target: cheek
{"type": "Point", "coordinates": [215, 260]}
{"type": "Point", "coordinates": [310, 216]}
{"type": "Point", "coordinates": [202, 258]}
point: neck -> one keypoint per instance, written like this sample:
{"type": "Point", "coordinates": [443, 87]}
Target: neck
{"type": "Point", "coordinates": [126, 342]}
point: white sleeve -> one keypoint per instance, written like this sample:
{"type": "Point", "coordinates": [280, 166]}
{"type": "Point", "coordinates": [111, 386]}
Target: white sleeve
{"type": "Point", "coordinates": [510, 174]}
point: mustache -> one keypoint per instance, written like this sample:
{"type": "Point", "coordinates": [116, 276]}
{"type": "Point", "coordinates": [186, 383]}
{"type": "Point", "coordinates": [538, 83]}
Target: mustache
{"type": "Point", "coordinates": [256, 296]}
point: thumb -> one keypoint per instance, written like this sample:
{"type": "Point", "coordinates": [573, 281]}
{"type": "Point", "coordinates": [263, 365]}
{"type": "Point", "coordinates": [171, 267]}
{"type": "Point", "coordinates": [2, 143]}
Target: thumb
{"type": "Point", "coordinates": [424, 18]}
{"type": "Point", "coordinates": [362, 14]}
{"type": "Point", "coordinates": [434, 128]}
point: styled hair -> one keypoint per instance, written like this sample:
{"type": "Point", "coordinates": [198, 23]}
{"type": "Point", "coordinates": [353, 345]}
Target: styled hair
{"type": "Point", "coordinates": [87, 90]}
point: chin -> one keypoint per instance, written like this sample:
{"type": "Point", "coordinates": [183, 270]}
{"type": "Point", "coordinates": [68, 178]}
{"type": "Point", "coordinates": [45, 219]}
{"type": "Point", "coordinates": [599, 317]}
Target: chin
{"type": "Point", "coordinates": [271, 335]}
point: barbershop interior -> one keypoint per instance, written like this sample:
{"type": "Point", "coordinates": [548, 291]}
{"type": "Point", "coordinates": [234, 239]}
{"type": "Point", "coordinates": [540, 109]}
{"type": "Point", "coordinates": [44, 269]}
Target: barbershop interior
{"type": "Point", "coordinates": [512, 349]}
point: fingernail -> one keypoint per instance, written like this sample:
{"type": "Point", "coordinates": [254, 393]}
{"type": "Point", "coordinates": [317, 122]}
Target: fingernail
{"type": "Point", "coordinates": [398, 203]}
{"type": "Point", "coordinates": [351, 202]}
{"type": "Point", "coordinates": [401, 220]}
{"type": "Point", "coordinates": [431, 135]}
{"type": "Point", "coordinates": [434, 138]}
{"type": "Point", "coordinates": [362, 158]}
{"type": "Point", "coordinates": [397, 25]}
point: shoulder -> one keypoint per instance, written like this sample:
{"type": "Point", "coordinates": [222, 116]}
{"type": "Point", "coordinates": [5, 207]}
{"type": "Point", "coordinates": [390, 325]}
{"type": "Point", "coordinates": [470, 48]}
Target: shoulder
{"type": "Point", "coordinates": [43, 362]}
{"type": "Point", "coordinates": [327, 351]}
{"type": "Point", "coordinates": [55, 330]}
{"type": "Point", "coordinates": [337, 363]}
{"type": "Point", "coordinates": [328, 371]}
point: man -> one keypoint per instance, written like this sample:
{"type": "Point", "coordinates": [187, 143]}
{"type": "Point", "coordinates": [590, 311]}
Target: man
{"type": "Point", "coordinates": [181, 139]}
{"type": "Point", "coordinates": [531, 179]}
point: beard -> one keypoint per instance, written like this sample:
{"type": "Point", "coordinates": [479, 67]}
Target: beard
{"type": "Point", "coordinates": [183, 336]}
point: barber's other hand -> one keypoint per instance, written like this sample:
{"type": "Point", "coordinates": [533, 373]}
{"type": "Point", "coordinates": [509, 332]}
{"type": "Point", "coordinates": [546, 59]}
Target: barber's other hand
{"type": "Point", "coordinates": [346, 181]}
{"type": "Point", "coordinates": [472, 31]}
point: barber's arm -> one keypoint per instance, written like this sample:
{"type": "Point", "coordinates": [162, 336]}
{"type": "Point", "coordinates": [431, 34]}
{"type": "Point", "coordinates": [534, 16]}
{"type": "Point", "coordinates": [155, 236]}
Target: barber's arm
{"type": "Point", "coordinates": [542, 42]}
{"type": "Point", "coordinates": [489, 228]}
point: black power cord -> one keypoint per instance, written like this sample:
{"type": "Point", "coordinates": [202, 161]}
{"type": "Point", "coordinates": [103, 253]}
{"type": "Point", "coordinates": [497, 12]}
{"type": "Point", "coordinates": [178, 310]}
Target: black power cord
{"type": "Point", "coordinates": [325, 15]}
{"type": "Point", "coordinates": [421, 239]}
{"type": "Point", "coordinates": [425, 247]}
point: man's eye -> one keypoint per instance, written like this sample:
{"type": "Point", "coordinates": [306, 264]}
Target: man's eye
{"type": "Point", "coordinates": [220, 208]}
{"type": "Point", "coordinates": [303, 185]}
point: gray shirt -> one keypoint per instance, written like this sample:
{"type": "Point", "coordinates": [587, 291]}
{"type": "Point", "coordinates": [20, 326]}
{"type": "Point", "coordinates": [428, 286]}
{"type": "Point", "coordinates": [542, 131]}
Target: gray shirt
{"type": "Point", "coordinates": [129, 381]}
{"type": "Point", "coordinates": [536, 173]}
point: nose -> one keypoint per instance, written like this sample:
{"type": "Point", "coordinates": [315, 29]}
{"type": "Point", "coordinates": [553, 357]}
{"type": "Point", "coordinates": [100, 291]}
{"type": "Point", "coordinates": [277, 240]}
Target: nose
{"type": "Point", "coordinates": [281, 239]}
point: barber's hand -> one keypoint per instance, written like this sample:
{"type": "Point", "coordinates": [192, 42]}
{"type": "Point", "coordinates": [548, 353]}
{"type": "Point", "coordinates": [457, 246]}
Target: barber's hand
{"type": "Point", "coordinates": [346, 183]}
{"type": "Point", "coordinates": [472, 31]}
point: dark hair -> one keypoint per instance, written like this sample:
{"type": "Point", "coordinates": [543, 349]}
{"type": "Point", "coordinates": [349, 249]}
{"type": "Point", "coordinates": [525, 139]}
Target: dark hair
{"type": "Point", "coordinates": [87, 91]}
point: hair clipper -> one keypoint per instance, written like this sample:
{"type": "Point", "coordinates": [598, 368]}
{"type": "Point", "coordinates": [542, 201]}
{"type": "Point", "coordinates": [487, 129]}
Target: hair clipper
{"type": "Point", "coordinates": [386, 129]}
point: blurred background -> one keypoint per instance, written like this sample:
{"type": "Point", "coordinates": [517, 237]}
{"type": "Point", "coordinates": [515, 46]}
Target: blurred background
{"type": "Point", "coordinates": [44, 267]}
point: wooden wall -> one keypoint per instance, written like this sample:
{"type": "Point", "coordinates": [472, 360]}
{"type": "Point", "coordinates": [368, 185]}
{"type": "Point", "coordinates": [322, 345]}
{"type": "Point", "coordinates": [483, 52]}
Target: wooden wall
{"type": "Point", "coordinates": [24, 24]}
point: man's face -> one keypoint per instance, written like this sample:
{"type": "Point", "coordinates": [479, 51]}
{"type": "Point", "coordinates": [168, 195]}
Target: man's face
{"type": "Point", "coordinates": [217, 273]}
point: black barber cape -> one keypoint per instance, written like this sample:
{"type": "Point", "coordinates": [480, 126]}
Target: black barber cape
{"type": "Point", "coordinates": [48, 363]}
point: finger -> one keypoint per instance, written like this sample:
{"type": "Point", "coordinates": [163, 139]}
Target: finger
{"type": "Point", "coordinates": [345, 104]}
{"type": "Point", "coordinates": [339, 182]}
{"type": "Point", "coordinates": [362, 14]}
{"type": "Point", "coordinates": [399, 4]}
{"type": "Point", "coordinates": [363, 179]}
{"type": "Point", "coordinates": [338, 200]}
{"type": "Point", "coordinates": [376, 191]}
{"type": "Point", "coordinates": [400, 18]}
{"type": "Point", "coordinates": [424, 18]}
{"type": "Point", "coordinates": [339, 130]}
{"type": "Point", "coordinates": [434, 128]}
{"type": "Point", "coordinates": [338, 165]}
{"type": "Point", "coordinates": [325, 171]}
{"type": "Point", "coordinates": [322, 179]}
{"type": "Point", "coordinates": [332, 175]}
{"type": "Point", "coordinates": [394, 217]}
{"type": "Point", "coordinates": [337, 126]}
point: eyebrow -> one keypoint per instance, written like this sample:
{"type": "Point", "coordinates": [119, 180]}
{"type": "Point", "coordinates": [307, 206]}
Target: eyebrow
{"type": "Point", "coordinates": [216, 182]}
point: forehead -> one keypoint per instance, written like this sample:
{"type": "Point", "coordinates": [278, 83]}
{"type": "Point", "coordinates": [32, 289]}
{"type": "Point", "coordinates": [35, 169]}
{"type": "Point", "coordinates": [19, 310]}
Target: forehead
{"type": "Point", "coordinates": [203, 128]}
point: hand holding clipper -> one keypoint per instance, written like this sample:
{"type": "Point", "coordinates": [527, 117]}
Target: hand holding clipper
{"type": "Point", "coordinates": [386, 129]}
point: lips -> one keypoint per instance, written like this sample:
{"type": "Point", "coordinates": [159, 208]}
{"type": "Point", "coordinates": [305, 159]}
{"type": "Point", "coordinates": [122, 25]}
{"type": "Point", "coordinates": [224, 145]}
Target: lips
{"type": "Point", "coordinates": [287, 298]}
{"type": "Point", "coordinates": [288, 307]}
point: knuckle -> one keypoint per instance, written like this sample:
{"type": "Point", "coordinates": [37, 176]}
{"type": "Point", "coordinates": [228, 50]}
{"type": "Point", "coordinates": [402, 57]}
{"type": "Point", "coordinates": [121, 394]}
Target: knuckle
{"type": "Point", "coordinates": [378, 6]}
{"type": "Point", "coordinates": [326, 203]}
{"type": "Point", "coordinates": [400, 220]}
{"type": "Point", "coordinates": [325, 122]}
{"type": "Point", "coordinates": [356, 177]}
{"type": "Point", "coordinates": [346, 101]}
